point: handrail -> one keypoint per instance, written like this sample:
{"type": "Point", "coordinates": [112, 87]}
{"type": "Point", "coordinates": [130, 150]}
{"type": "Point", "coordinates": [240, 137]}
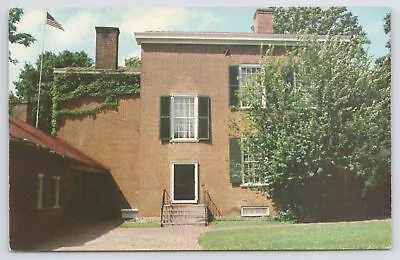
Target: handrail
{"type": "Point", "coordinates": [165, 198]}
{"type": "Point", "coordinates": [212, 207]}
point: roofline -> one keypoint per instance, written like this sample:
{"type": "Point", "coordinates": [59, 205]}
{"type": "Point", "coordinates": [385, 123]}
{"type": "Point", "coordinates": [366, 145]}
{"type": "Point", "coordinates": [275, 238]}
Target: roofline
{"type": "Point", "coordinates": [220, 38]}
{"type": "Point", "coordinates": [94, 71]}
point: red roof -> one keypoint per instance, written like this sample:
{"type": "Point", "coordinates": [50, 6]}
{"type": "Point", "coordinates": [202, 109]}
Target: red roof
{"type": "Point", "coordinates": [26, 132]}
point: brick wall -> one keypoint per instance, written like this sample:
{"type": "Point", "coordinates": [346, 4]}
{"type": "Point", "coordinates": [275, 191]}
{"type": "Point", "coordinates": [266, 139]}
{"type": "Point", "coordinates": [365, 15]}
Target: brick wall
{"type": "Point", "coordinates": [197, 69]}
{"type": "Point", "coordinates": [127, 140]}
{"type": "Point", "coordinates": [112, 138]}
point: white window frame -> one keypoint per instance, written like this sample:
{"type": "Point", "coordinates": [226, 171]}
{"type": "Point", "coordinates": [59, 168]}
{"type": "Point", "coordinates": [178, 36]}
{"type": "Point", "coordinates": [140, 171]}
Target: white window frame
{"type": "Point", "coordinates": [248, 183]}
{"type": "Point", "coordinates": [196, 182]}
{"type": "Point", "coordinates": [56, 192]}
{"type": "Point", "coordinates": [196, 119]}
{"type": "Point", "coordinates": [40, 191]}
{"type": "Point", "coordinates": [241, 85]}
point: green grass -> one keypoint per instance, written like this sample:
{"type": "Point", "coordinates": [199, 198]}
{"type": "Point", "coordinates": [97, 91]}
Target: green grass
{"type": "Point", "coordinates": [270, 236]}
{"type": "Point", "coordinates": [139, 224]}
{"type": "Point", "coordinates": [242, 222]}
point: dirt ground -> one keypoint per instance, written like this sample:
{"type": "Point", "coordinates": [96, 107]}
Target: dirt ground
{"type": "Point", "coordinates": [109, 237]}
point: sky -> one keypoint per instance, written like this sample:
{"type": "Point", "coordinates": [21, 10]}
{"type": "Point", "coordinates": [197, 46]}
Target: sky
{"type": "Point", "coordinates": [79, 25]}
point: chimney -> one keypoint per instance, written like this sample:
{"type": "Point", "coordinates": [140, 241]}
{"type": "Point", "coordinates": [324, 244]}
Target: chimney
{"type": "Point", "coordinates": [23, 111]}
{"type": "Point", "coordinates": [263, 21]}
{"type": "Point", "coordinates": [107, 47]}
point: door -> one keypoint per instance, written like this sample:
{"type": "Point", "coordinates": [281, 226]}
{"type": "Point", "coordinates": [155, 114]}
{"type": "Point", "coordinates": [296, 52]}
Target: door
{"type": "Point", "coordinates": [184, 182]}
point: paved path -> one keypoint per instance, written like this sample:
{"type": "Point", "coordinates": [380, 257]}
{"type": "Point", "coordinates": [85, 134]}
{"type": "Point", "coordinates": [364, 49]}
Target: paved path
{"type": "Point", "coordinates": [108, 237]}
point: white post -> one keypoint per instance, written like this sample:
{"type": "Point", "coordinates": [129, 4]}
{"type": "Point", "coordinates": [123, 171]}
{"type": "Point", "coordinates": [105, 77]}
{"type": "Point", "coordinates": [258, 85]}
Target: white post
{"type": "Point", "coordinates": [40, 71]}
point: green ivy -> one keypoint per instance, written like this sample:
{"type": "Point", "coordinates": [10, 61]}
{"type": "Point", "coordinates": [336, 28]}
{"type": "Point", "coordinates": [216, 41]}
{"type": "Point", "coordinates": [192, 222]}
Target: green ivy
{"type": "Point", "coordinates": [107, 86]}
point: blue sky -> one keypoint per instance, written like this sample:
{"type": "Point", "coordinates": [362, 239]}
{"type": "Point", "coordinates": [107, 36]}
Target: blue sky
{"type": "Point", "coordinates": [79, 26]}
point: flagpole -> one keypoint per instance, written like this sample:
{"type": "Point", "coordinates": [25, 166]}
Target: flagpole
{"type": "Point", "coordinates": [41, 69]}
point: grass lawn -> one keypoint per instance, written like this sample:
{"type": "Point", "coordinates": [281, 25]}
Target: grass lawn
{"type": "Point", "coordinates": [267, 235]}
{"type": "Point", "coordinates": [139, 224]}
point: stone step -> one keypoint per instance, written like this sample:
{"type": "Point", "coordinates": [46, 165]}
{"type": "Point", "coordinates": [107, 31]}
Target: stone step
{"type": "Point", "coordinates": [185, 215]}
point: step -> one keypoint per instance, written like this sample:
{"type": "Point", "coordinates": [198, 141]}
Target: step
{"type": "Point", "coordinates": [185, 215]}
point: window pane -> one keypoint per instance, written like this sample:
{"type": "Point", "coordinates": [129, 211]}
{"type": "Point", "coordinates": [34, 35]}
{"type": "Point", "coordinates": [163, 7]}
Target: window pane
{"type": "Point", "coordinates": [249, 168]}
{"type": "Point", "coordinates": [184, 119]}
{"type": "Point", "coordinates": [247, 74]}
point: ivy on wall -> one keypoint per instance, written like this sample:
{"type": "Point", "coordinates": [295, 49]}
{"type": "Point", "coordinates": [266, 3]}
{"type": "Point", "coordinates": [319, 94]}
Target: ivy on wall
{"type": "Point", "coordinates": [107, 86]}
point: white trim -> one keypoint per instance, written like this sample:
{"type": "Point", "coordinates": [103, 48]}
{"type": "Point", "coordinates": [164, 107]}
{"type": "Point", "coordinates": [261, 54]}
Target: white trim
{"type": "Point", "coordinates": [40, 191]}
{"type": "Point", "coordinates": [222, 38]}
{"type": "Point", "coordinates": [244, 214]}
{"type": "Point", "coordinates": [195, 139]}
{"type": "Point", "coordinates": [92, 71]}
{"type": "Point", "coordinates": [56, 192]}
{"type": "Point", "coordinates": [196, 182]}
{"type": "Point", "coordinates": [263, 97]}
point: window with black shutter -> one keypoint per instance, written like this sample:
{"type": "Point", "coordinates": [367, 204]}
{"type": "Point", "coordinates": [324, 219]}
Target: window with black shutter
{"type": "Point", "coordinates": [203, 125]}
{"type": "Point", "coordinates": [233, 85]}
{"type": "Point", "coordinates": [235, 161]}
{"type": "Point", "coordinates": [165, 115]}
{"type": "Point", "coordinates": [184, 118]}
{"type": "Point", "coordinates": [239, 77]}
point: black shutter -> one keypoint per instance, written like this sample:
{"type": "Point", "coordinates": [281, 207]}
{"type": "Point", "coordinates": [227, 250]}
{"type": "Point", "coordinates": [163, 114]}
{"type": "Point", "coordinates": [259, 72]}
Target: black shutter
{"type": "Point", "coordinates": [233, 85]}
{"type": "Point", "coordinates": [165, 118]}
{"type": "Point", "coordinates": [235, 161]}
{"type": "Point", "coordinates": [203, 127]}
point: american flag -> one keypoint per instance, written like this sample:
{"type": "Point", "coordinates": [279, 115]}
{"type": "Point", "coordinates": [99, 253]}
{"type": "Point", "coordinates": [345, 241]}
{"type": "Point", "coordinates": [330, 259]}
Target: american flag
{"type": "Point", "coordinates": [52, 22]}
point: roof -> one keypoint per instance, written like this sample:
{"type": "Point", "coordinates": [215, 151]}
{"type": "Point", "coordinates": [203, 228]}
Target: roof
{"type": "Point", "coordinates": [27, 133]}
{"type": "Point", "coordinates": [220, 38]}
{"type": "Point", "coordinates": [94, 70]}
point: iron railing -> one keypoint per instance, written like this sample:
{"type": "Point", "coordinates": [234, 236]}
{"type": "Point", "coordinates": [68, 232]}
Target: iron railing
{"type": "Point", "coordinates": [213, 210]}
{"type": "Point", "coordinates": [166, 200]}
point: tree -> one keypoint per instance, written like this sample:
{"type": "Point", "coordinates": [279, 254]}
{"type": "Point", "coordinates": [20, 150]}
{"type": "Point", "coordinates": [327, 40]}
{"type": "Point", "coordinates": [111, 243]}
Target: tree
{"type": "Point", "coordinates": [133, 62]}
{"type": "Point", "coordinates": [28, 83]}
{"type": "Point", "coordinates": [316, 20]}
{"type": "Point", "coordinates": [14, 16]}
{"type": "Point", "coordinates": [12, 101]}
{"type": "Point", "coordinates": [322, 137]}
{"type": "Point", "coordinates": [387, 28]}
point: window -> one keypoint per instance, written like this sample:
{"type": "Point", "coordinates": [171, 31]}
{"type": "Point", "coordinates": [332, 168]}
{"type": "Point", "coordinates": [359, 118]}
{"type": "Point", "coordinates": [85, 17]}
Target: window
{"type": "Point", "coordinates": [40, 191]}
{"type": "Point", "coordinates": [56, 191]}
{"type": "Point", "coordinates": [246, 74]}
{"type": "Point", "coordinates": [242, 165]}
{"type": "Point", "coordinates": [249, 176]}
{"type": "Point", "coordinates": [239, 77]}
{"type": "Point", "coordinates": [184, 118]}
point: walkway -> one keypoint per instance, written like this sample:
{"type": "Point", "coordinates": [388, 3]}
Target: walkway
{"type": "Point", "coordinates": [109, 237]}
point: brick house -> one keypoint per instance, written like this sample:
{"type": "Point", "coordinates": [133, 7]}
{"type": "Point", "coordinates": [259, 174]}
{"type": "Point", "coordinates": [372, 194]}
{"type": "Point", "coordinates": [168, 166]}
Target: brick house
{"type": "Point", "coordinates": [176, 134]}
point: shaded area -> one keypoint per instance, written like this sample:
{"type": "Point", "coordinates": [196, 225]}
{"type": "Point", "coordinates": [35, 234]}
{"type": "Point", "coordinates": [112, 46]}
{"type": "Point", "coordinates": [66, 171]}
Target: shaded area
{"type": "Point", "coordinates": [337, 196]}
{"type": "Point", "coordinates": [78, 235]}
{"type": "Point", "coordinates": [50, 190]}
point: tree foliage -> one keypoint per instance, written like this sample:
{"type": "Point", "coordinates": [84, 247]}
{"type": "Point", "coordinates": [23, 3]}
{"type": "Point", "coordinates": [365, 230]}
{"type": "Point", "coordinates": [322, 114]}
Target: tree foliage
{"type": "Point", "coordinates": [12, 101]}
{"type": "Point", "coordinates": [321, 132]}
{"type": "Point", "coordinates": [14, 16]}
{"type": "Point", "coordinates": [106, 86]}
{"type": "Point", "coordinates": [28, 83]}
{"type": "Point", "coordinates": [316, 20]}
{"type": "Point", "coordinates": [133, 62]}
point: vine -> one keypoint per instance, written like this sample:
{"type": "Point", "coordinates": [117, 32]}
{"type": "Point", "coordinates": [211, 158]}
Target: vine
{"type": "Point", "coordinates": [105, 85]}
